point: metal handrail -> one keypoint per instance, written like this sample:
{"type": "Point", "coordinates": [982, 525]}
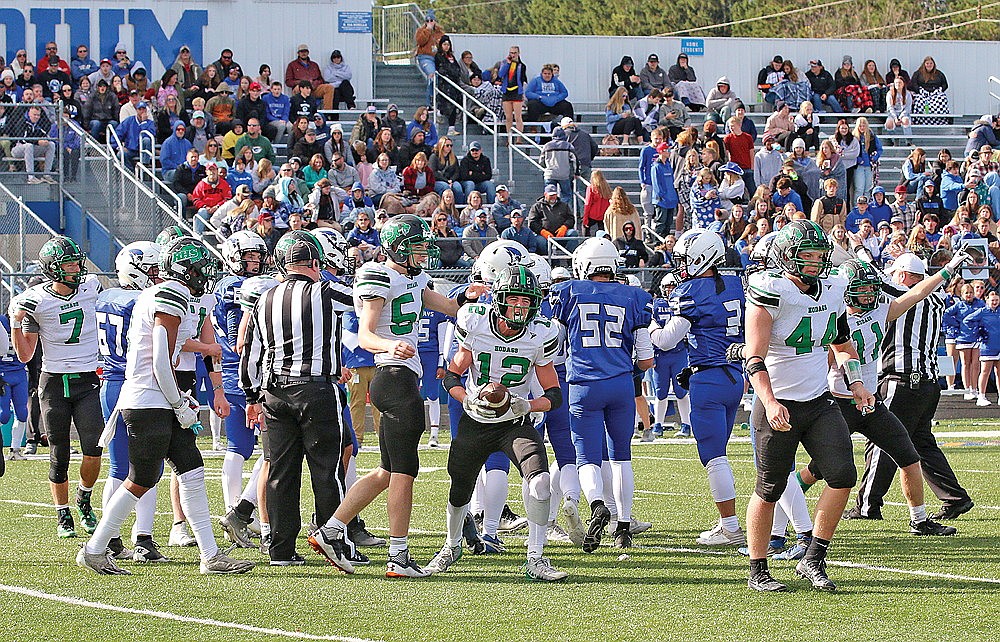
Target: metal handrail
{"type": "Point", "coordinates": [24, 212]}
{"type": "Point", "coordinates": [159, 187]}
{"type": "Point", "coordinates": [466, 113]}
{"type": "Point", "coordinates": [119, 148]}
{"type": "Point", "coordinates": [416, 15]}
{"type": "Point", "coordinates": [993, 80]}
{"type": "Point", "coordinates": [151, 151]}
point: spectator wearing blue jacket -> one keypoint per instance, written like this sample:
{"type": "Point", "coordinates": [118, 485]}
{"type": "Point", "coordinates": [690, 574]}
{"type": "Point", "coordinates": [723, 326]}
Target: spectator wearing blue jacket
{"type": "Point", "coordinates": [173, 152]}
{"type": "Point", "coordinates": [279, 106]}
{"type": "Point", "coordinates": [784, 194]}
{"type": "Point", "coordinates": [82, 65]}
{"type": "Point", "coordinates": [952, 185]}
{"type": "Point", "coordinates": [646, 158]}
{"type": "Point", "coordinates": [664, 192]}
{"type": "Point", "coordinates": [871, 151]}
{"type": "Point", "coordinates": [546, 94]}
{"type": "Point", "coordinates": [129, 132]}
{"type": "Point", "coordinates": [982, 134]}
{"type": "Point", "coordinates": [879, 209]}
{"type": "Point", "coordinates": [239, 175]}
{"type": "Point", "coordinates": [520, 232]}
{"type": "Point", "coordinates": [859, 213]}
{"type": "Point", "coordinates": [956, 323]}
{"type": "Point", "coordinates": [986, 321]}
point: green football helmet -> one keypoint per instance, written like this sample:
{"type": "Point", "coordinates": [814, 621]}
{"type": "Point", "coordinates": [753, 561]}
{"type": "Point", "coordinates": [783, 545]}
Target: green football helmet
{"type": "Point", "coordinates": [285, 244]}
{"type": "Point", "coordinates": [802, 236]}
{"type": "Point", "coordinates": [863, 282]}
{"type": "Point", "coordinates": [402, 235]}
{"type": "Point", "coordinates": [186, 259]}
{"type": "Point", "coordinates": [56, 254]}
{"type": "Point", "coordinates": [516, 281]}
{"type": "Point", "coordinates": [169, 234]}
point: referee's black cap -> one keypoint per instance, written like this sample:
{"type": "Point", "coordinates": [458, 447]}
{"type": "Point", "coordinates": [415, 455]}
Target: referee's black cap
{"type": "Point", "coordinates": [291, 251]}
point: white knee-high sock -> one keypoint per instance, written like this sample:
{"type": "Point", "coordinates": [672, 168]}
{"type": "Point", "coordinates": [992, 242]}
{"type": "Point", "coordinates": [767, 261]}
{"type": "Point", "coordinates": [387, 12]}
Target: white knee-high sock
{"type": "Point", "coordinates": [721, 482]}
{"type": "Point", "coordinates": [608, 484]}
{"type": "Point", "coordinates": [17, 433]}
{"type": "Point", "coordinates": [111, 486]}
{"type": "Point", "coordinates": [232, 479]}
{"type": "Point", "coordinates": [592, 482]}
{"type": "Point", "coordinates": [661, 410]}
{"type": "Point", "coordinates": [479, 492]}
{"type": "Point", "coordinates": [497, 488]}
{"type": "Point", "coordinates": [555, 491]}
{"type": "Point", "coordinates": [194, 500]}
{"type": "Point", "coordinates": [215, 424]}
{"type": "Point", "coordinates": [145, 511]}
{"type": "Point", "coordinates": [113, 516]}
{"type": "Point", "coordinates": [434, 413]}
{"type": "Point", "coordinates": [250, 490]}
{"type": "Point", "coordinates": [779, 527]}
{"type": "Point", "coordinates": [624, 488]}
{"type": "Point", "coordinates": [684, 409]}
{"type": "Point", "coordinates": [569, 480]}
{"type": "Point", "coordinates": [352, 472]}
{"type": "Point", "coordinates": [536, 495]}
{"type": "Point", "coordinates": [793, 502]}
{"type": "Point", "coordinates": [455, 522]}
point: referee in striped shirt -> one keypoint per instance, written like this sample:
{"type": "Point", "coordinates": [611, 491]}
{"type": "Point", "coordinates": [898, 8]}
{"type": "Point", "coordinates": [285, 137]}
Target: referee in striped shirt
{"type": "Point", "coordinates": [289, 370]}
{"type": "Point", "coordinates": [908, 384]}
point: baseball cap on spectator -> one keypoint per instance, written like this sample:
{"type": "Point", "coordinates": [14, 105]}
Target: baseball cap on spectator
{"type": "Point", "coordinates": [816, 63]}
{"type": "Point", "coordinates": [908, 262]}
{"type": "Point", "coordinates": [255, 86]}
{"type": "Point", "coordinates": [897, 219]}
{"type": "Point", "coordinates": [882, 224]}
{"type": "Point", "coordinates": [861, 199]}
{"type": "Point", "coordinates": [370, 109]}
{"type": "Point", "coordinates": [559, 134]}
{"type": "Point", "coordinates": [211, 164]}
{"type": "Point", "coordinates": [133, 92]}
{"type": "Point", "coordinates": [392, 108]}
{"type": "Point", "coordinates": [243, 189]}
{"type": "Point", "coordinates": [302, 47]}
{"type": "Point", "coordinates": [311, 129]}
{"type": "Point", "coordinates": [357, 185]}
{"type": "Point", "coordinates": [141, 105]}
{"type": "Point", "coordinates": [682, 55]}
{"type": "Point", "coordinates": [900, 189]}
{"type": "Point", "coordinates": [475, 146]}
{"type": "Point", "coordinates": [551, 189]}
{"type": "Point", "coordinates": [198, 114]}
{"type": "Point", "coordinates": [566, 121]}
{"type": "Point", "coordinates": [517, 214]}
{"type": "Point", "coordinates": [223, 89]}
{"type": "Point", "coordinates": [185, 48]}
{"type": "Point", "coordinates": [662, 147]}
{"type": "Point", "coordinates": [778, 59]}
{"type": "Point", "coordinates": [502, 188]}
{"type": "Point", "coordinates": [293, 159]}
{"type": "Point", "coordinates": [653, 58]}
{"type": "Point", "coordinates": [105, 60]}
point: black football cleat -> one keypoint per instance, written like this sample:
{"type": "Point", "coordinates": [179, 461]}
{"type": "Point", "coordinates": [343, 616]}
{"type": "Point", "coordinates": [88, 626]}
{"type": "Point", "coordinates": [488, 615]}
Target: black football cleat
{"type": "Point", "coordinates": [952, 511]}
{"type": "Point", "coordinates": [763, 582]}
{"type": "Point", "coordinates": [930, 527]}
{"type": "Point", "coordinates": [815, 572]}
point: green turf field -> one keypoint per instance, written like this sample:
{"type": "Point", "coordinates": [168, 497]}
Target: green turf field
{"type": "Point", "coordinates": [893, 586]}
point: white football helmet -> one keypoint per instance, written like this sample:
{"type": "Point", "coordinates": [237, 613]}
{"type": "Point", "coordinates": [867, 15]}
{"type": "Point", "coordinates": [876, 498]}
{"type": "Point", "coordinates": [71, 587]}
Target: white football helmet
{"type": "Point", "coordinates": [137, 264]}
{"type": "Point", "coordinates": [253, 288]}
{"type": "Point", "coordinates": [239, 244]}
{"type": "Point", "coordinates": [761, 253]}
{"type": "Point", "coordinates": [542, 271]}
{"type": "Point", "coordinates": [696, 251]}
{"type": "Point", "coordinates": [633, 280]}
{"type": "Point", "coordinates": [335, 249]}
{"type": "Point", "coordinates": [595, 256]}
{"type": "Point", "coordinates": [498, 256]}
{"type": "Point", "coordinates": [560, 274]}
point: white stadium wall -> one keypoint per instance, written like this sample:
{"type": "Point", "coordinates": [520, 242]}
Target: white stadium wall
{"type": "Point", "coordinates": [586, 61]}
{"type": "Point", "coordinates": [153, 32]}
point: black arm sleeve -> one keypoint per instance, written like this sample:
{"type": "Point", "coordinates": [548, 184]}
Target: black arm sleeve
{"type": "Point", "coordinates": [843, 330]}
{"type": "Point", "coordinates": [451, 380]}
{"type": "Point", "coordinates": [554, 395]}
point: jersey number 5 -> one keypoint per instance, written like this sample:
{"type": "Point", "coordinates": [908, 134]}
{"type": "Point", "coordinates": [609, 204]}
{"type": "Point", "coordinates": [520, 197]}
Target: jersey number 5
{"type": "Point", "coordinates": [76, 318]}
{"type": "Point", "coordinates": [402, 322]}
{"type": "Point", "coordinates": [601, 325]}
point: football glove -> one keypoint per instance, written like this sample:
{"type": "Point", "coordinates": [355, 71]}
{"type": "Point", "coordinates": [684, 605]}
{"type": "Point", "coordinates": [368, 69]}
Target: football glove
{"type": "Point", "coordinates": [961, 258]}
{"type": "Point", "coordinates": [519, 406]}
{"type": "Point", "coordinates": [186, 412]}
{"type": "Point", "coordinates": [478, 408]}
{"type": "Point", "coordinates": [734, 353]}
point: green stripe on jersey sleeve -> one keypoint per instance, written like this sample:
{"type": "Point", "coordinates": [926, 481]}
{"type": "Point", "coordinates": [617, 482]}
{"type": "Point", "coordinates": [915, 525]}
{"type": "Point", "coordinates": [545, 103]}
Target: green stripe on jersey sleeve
{"type": "Point", "coordinates": [763, 297]}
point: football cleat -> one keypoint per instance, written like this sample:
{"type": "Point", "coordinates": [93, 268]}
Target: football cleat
{"type": "Point", "coordinates": [598, 522]}
{"type": "Point", "coordinates": [469, 530]}
{"type": "Point", "coordinates": [432, 442]}
{"type": "Point", "coordinates": [65, 527]}
{"type": "Point", "coordinates": [88, 519]}
{"type": "Point", "coordinates": [16, 455]}
{"type": "Point", "coordinates": [100, 563]}
{"type": "Point", "coordinates": [855, 513]}
{"type": "Point", "coordinates": [794, 552]}
{"type": "Point", "coordinates": [719, 536]}
{"type": "Point", "coordinates": [952, 511]}
{"type": "Point", "coordinates": [484, 546]}
{"type": "Point", "coordinates": [118, 550]}
{"type": "Point", "coordinates": [930, 527]}
{"type": "Point", "coordinates": [360, 535]}
{"type": "Point", "coordinates": [647, 435]}
{"type": "Point", "coordinates": [815, 571]}
{"type": "Point", "coordinates": [295, 560]}
{"type": "Point", "coordinates": [444, 558]}
{"type": "Point", "coordinates": [181, 536]}
{"type": "Point", "coordinates": [555, 533]}
{"type": "Point", "coordinates": [657, 430]}
{"type": "Point", "coordinates": [222, 564]}
{"type": "Point", "coordinates": [334, 547]}
{"type": "Point", "coordinates": [540, 569]}
{"type": "Point", "coordinates": [623, 538]}
{"type": "Point", "coordinates": [577, 531]}
{"type": "Point", "coordinates": [146, 550]}
{"type": "Point", "coordinates": [775, 546]}
{"type": "Point", "coordinates": [236, 530]}
{"type": "Point", "coordinates": [635, 526]}
{"type": "Point", "coordinates": [762, 581]}
{"type": "Point", "coordinates": [495, 543]}
{"type": "Point", "coordinates": [511, 521]}
{"type": "Point", "coordinates": [685, 431]}
{"type": "Point", "coordinates": [402, 565]}
{"type": "Point", "coordinates": [30, 448]}
{"type": "Point", "coordinates": [357, 558]}
{"type": "Point", "coordinates": [265, 544]}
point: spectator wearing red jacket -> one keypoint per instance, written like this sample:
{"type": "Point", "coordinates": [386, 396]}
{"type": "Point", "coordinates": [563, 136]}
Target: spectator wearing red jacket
{"type": "Point", "coordinates": [739, 146]}
{"type": "Point", "coordinates": [211, 192]}
{"type": "Point", "coordinates": [304, 68]}
{"type": "Point", "coordinates": [418, 178]}
{"type": "Point", "coordinates": [51, 49]}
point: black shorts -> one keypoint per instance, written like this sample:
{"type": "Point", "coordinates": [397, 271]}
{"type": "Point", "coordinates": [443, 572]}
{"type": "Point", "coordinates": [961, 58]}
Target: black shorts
{"type": "Point", "coordinates": [882, 428]}
{"type": "Point", "coordinates": [186, 381]}
{"type": "Point", "coordinates": [820, 427]}
{"type": "Point", "coordinates": [474, 442]}
{"type": "Point", "coordinates": [395, 392]}
{"type": "Point", "coordinates": [155, 435]}
{"type": "Point", "coordinates": [66, 399]}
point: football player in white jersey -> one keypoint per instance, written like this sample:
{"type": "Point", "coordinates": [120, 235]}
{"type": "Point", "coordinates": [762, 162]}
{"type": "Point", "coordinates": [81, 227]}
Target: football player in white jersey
{"type": "Point", "coordinates": [794, 318]}
{"type": "Point", "coordinates": [389, 297]}
{"type": "Point", "coordinates": [868, 315]}
{"type": "Point", "coordinates": [504, 343]}
{"type": "Point", "coordinates": [162, 420]}
{"type": "Point", "coordinates": [61, 314]}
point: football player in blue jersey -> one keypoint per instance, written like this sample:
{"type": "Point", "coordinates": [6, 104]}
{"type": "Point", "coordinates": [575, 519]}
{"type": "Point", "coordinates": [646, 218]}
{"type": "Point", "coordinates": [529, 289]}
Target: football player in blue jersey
{"type": "Point", "coordinates": [667, 365]}
{"type": "Point", "coordinates": [138, 267]}
{"type": "Point", "coordinates": [605, 322]}
{"type": "Point", "coordinates": [707, 309]}
{"type": "Point", "coordinates": [244, 254]}
{"type": "Point", "coordinates": [430, 350]}
{"type": "Point", "coordinates": [13, 394]}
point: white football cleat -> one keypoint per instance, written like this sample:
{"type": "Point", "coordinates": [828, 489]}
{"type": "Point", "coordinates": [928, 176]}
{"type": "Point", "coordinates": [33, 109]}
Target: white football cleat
{"type": "Point", "coordinates": [100, 563]}
{"type": "Point", "coordinates": [555, 533]}
{"type": "Point", "coordinates": [576, 531]}
{"type": "Point", "coordinates": [222, 564]}
{"type": "Point", "coordinates": [719, 536]}
{"type": "Point", "coordinates": [444, 558]}
{"type": "Point", "coordinates": [541, 569]}
{"type": "Point", "coordinates": [181, 536]}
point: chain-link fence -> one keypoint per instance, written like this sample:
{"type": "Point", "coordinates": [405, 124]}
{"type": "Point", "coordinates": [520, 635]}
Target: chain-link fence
{"type": "Point", "coordinates": [22, 233]}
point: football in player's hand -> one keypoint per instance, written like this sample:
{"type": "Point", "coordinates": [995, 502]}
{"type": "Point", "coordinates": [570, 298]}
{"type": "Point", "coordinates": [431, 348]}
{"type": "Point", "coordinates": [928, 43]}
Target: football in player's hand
{"type": "Point", "coordinates": [497, 397]}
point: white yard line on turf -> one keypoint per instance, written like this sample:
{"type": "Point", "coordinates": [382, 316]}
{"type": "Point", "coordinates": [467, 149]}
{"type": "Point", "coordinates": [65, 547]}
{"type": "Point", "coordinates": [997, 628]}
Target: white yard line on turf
{"type": "Point", "coordinates": [164, 615]}
{"type": "Point", "coordinates": [866, 567]}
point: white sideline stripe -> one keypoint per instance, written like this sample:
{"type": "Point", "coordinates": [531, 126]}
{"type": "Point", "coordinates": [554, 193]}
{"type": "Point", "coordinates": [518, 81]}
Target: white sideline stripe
{"type": "Point", "coordinates": [165, 615]}
{"type": "Point", "coordinates": [977, 505]}
{"type": "Point", "coordinates": [866, 567]}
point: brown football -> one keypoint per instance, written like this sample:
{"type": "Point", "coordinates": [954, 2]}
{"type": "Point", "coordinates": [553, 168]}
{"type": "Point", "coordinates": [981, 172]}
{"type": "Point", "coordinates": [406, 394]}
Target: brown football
{"type": "Point", "coordinates": [497, 396]}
